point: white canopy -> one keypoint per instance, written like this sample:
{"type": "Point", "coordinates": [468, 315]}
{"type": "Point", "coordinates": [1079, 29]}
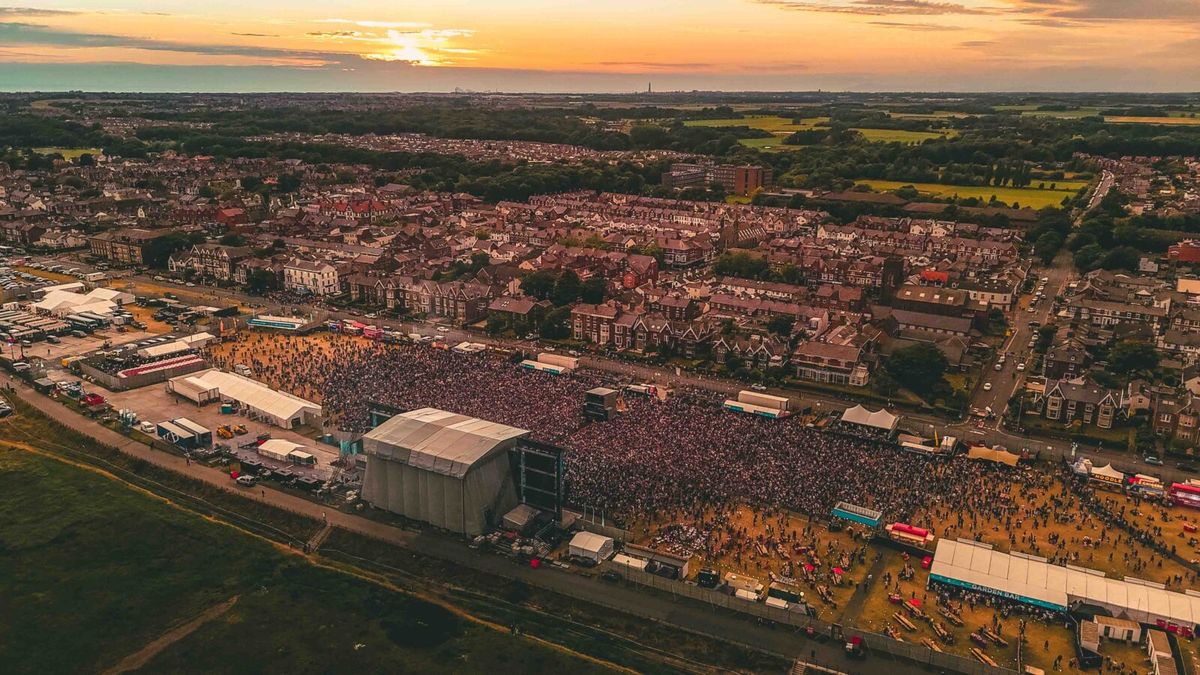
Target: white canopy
{"type": "Point", "coordinates": [1035, 581]}
{"type": "Point", "coordinates": [280, 408]}
{"type": "Point", "coordinates": [1108, 473]}
{"type": "Point", "coordinates": [880, 419]}
{"type": "Point", "coordinates": [164, 349]}
{"type": "Point", "coordinates": [279, 449]}
{"type": "Point", "coordinates": [439, 441]}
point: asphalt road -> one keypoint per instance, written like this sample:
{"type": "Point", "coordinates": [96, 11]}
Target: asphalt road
{"type": "Point", "coordinates": [1016, 351]}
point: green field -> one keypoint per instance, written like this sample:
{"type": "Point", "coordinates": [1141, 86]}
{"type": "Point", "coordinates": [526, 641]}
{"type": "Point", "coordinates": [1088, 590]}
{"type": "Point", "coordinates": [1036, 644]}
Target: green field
{"type": "Point", "coordinates": [91, 572]}
{"type": "Point", "coordinates": [784, 127]}
{"type": "Point", "coordinates": [769, 144]}
{"type": "Point", "coordinates": [1030, 196]}
{"type": "Point", "coordinates": [901, 135]}
{"type": "Point", "coordinates": [771, 123]}
{"type": "Point", "coordinates": [68, 153]}
{"type": "Point", "coordinates": [1174, 120]}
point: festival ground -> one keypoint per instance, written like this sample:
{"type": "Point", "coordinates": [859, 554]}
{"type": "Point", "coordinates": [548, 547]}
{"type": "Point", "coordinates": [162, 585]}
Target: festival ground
{"type": "Point", "coordinates": [1042, 511]}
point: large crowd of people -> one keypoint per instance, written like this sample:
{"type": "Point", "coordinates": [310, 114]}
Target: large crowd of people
{"type": "Point", "coordinates": [688, 477]}
{"type": "Point", "coordinates": [661, 458]}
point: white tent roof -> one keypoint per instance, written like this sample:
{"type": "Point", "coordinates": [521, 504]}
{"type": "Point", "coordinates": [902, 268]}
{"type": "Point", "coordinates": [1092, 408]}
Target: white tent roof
{"type": "Point", "coordinates": [1108, 471]}
{"type": "Point", "coordinates": [880, 419]}
{"type": "Point", "coordinates": [109, 295]}
{"type": "Point", "coordinates": [1034, 578]}
{"type": "Point", "coordinates": [437, 440]}
{"type": "Point", "coordinates": [280, 449]}
{"type": "Point", "coordinates": [100, 301]}
{"type": "Point", "coordinates": [154, 351]}
{"type": "Point", "coordinates": [202, 338]}
{"type": "Point", "coordinates": [254, 394]}
{"type": "Point", "coordinates": [590, 542]}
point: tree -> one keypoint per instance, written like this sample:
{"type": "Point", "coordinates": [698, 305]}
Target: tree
{"type": "Point", "coordinates": [260, 281]}
{"type": "Point", "coordinates": [158, 250]}
{"type": "Point", "coordinates": [480, 260]}
{"type": "Point", "coordinates": [781, 325]}
{"type": "Point", "coordinates": [1129, 356]}
{"type": "Point", "coordinates": [556, 325]}
{"type": "Point", "coordinates": [1047, 246]}
{"type": "Point", "coordinates": [566, 288]}
{"type": "Point", "coordinates": [1088, 257]}
{"type": "Point", "coordinates": [1121, 258]}
{"type": "Point", "coordinates": [919, 367]}
{"type": "Point", "coordinates": [742, 265]}
{"type": "Point", "coordinates": [538, 284]}
{"type": "Point", "coordinates": [594, 290]}
{"type": "Point", "coordinates": [232, 239]}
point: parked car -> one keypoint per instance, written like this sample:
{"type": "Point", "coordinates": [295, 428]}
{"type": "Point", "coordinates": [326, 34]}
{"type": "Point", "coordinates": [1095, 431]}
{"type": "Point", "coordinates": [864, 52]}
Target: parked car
{"type": "Point", "coordinates": [247, 481]}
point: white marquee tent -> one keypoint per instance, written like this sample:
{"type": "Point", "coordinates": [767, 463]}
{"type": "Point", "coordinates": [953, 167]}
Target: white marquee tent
{"type": "Point", "coordinates": [277, 407]}
{"type": "Point", "coordinates": [880, 419]}
{"type": "Point", "coordinates": [1035, 581]}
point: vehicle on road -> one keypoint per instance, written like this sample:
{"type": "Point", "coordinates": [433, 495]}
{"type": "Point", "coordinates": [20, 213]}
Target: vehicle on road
{"type": "Point", "coordinates": [1153, 460]}
{"type": "Point", "coordinates": [999, 365]}
{"type": "Point", "coordinates": [1020, 367]}
{"type": "Point", "coordinates": [987, 386]}
{"type": "Point", "coordinates": [246, 480]}
{"type": "Point", "coordinates": [1186, 467]}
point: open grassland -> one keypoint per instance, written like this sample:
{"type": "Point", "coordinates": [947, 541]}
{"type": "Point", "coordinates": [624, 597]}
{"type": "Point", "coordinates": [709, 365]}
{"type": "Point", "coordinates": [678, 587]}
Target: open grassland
{"type": "Point", "coordinates": [774, 144]}
{"type": "Point", "coordinates": [1168, 121]}
{"type": "Point", "coordinates": [1030, 196]}
{"type": "Point", "coordinates": [785, 126]}
{"type": "Point", "coordinates": [901, 135]}
{"type": "Point", "coordinates": [93, 574]}
{"type": "Point", "coordinates": [771, 123]}
{"type": "Point", "coordinates": [68, 153]}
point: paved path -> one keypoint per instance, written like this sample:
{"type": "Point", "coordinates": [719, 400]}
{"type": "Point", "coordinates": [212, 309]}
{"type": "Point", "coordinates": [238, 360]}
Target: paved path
{"type": "Point", "coordinates": [672, 611]}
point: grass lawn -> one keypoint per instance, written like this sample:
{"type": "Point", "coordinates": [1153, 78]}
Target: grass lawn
{"type": "Point", "coordinates": [91, 572]}
{"type": "Point", "coordinates": [774, 144]}
{"type": "Point", "coordinates": [68, 153]}
{"type": "Point", "coordinates": [1173, 121]}
{"type": "Point", "coordinates": [785, 126]}
{"type": "Point", "coordinates": [781, 127]}
{"type": "Point", "coordinates": [771, 123]}
{"type": "Point", "coordinates": [1030, 196]}
{"type": "Point", "coordinates": [901, 135]}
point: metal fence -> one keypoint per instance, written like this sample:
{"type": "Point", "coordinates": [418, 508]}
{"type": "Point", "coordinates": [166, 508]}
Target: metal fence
{"type": "Point", "coordinates": [910, 651]}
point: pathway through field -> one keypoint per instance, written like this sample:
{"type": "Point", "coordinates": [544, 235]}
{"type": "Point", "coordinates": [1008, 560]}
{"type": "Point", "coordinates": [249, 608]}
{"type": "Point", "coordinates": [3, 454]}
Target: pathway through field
{"type": "Point", "coordinates": [142, 656]}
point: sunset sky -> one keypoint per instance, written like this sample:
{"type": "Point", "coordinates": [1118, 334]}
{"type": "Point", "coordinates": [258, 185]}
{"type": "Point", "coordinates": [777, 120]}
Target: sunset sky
{"type": "Point", "coordinates": [601, 45]}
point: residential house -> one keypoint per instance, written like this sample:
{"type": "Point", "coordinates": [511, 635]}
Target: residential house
{"type": "Point", "coordinates": [311, 276]}
{"type": "Point", "coordinates": [593, 323]}
{"type": "Point", "coordinates": [1070, 400]}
